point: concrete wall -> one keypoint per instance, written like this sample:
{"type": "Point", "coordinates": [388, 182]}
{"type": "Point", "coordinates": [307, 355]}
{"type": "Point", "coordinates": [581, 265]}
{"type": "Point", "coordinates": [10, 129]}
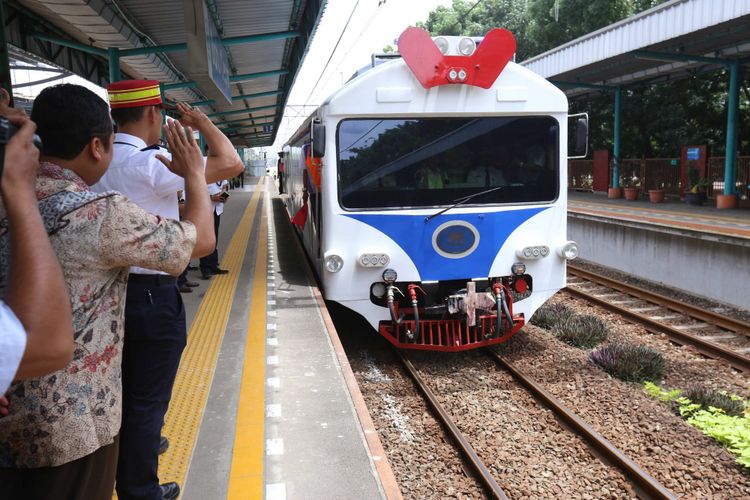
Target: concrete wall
{"type": "Point", "coordinates": [712, 266]}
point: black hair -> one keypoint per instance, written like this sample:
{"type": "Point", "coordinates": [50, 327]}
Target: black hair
{"type": "Point", "coordinates": [123, 116]}
{"type": "Point", "coordinates": [67, 117]}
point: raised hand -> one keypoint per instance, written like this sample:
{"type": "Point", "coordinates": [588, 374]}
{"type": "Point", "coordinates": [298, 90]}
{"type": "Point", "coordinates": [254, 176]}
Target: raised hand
{"type": "Point", "coordinates": [190, 116]}
{"type": "Point", "coordinates": [186, 154]}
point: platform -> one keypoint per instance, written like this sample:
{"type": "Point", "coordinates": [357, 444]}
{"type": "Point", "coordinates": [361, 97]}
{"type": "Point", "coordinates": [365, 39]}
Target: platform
{"type": "Point", "coordinates": [672, 214]}
{"type": "Point", "coordinates": [264, 404]}
{"type": "Point", "coordinates": [699, 249]}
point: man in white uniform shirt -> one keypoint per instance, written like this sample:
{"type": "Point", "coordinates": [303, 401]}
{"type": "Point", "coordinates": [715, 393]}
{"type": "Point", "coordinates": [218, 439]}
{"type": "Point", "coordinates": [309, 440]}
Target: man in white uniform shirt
{"type": "Point", "coordinates": [155, 328]}
{"type": "Point", "coordinates": [209, 265]}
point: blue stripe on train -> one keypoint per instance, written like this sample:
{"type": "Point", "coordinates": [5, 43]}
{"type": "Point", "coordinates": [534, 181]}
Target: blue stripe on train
{"type": "Point", "coordinates": [414, 236]}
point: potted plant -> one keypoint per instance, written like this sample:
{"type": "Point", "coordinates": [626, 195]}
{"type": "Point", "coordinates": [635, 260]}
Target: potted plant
{"type": "Point", "coordinates": [696, 194]}
{"type": "Point", "coordinates": [656, 195]}
{"type": "Point", "coordinates": [631, 188]}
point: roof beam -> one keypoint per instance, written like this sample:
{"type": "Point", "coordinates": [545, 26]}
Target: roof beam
{"type": "Point", "coordinates": [240, 97]}
{"type": "Point", "coordinates": [246, 110]}
{"type": "Point", "coordinates": [161, 49]}
{"type": "Point", "coordinates": [653, 55]}
{"type": "Point", "coordinates": [578, 85]}
{"type": "Point", "coordinates": [231, 122]}
{"type": "Point", "coordinates": [233, 79]}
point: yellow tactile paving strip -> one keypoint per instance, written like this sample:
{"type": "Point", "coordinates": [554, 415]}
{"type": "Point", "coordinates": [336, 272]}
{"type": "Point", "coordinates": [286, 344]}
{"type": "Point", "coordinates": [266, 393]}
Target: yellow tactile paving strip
{"type": "Point", "coordinates": [246, 474]}
{"type": "Point", "coordinates": [198, 363]}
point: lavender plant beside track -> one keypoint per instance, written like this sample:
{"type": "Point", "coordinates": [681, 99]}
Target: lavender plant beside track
{"type": "Point", "coordinates": [629, 362]}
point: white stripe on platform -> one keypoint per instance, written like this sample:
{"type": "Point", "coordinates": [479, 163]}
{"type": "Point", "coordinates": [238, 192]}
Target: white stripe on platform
{"type": "Point", "coordinates": [276, 491]}
{"type": "Point", "coordinates": [274, 446]}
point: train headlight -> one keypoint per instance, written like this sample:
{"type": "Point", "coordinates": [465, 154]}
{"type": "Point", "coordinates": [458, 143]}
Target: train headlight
{"type": "Point", "coordinates": [390, 276]}
{"type": "Point", "coordinates": [378, 290]}
{"type": "Point", "coordinates": [374, 260]}
{"type": "Point", "coordinates": [466, 46]}
{"type": "Point", "coordinates": [442, 44]}
{"type": "Point", "coordinates": [333, 263]}
{"type": "Point", "coordinates": [569, 250]}
{"type": "Point", "coordinates": [533, 252]}
{"type": "Point", "coordinates": [518, 269]}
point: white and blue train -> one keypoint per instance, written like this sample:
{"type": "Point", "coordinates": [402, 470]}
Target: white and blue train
{"type": "Point", "coordinates": [430, 192]}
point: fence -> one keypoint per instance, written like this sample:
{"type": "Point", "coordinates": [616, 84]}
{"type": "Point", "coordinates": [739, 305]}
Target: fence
{"type": "Point", "coordinates": [659, 173]}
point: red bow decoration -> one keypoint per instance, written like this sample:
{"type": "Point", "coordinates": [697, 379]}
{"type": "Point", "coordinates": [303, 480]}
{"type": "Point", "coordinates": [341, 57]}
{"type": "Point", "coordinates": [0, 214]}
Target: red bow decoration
{"type": "Point", "coordinates": [432, 68]}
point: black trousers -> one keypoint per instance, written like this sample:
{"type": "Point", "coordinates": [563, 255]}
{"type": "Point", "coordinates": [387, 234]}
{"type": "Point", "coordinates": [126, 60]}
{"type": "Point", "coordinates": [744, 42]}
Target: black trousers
{"type": "Point", "coordinates": [211, 261]}
{"type": "Point", "coordinates": [155, 336]}
{"type": "Point", "coordinates": [89, 478]}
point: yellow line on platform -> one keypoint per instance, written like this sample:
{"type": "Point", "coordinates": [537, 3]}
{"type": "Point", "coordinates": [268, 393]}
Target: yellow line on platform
{"type": "Point", "coordinates": [246, 475]}
{"type": "Point", "coordinates": [198, 362]}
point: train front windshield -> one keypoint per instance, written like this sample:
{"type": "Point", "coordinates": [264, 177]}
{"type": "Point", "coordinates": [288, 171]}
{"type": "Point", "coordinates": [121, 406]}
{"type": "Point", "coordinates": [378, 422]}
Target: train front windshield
{"type": "Point", "coordinates": [432, 162]}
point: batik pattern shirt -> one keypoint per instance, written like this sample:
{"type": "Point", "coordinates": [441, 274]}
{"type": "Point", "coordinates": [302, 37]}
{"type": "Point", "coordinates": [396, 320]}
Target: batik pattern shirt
{"type": "Point", "coordinates": [73, 412]}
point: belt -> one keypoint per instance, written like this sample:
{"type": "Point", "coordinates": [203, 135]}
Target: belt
{"type": "Point", "coordinates": [152, 279]}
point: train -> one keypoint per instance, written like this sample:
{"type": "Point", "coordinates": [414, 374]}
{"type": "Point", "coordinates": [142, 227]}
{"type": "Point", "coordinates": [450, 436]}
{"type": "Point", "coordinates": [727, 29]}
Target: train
{"type": "Point", "coordinates": [430, 191]}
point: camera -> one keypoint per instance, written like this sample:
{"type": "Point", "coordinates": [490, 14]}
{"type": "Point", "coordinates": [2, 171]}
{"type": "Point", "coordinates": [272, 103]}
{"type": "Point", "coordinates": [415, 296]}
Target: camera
{"type": "Point", "coordinates": [7, 129]}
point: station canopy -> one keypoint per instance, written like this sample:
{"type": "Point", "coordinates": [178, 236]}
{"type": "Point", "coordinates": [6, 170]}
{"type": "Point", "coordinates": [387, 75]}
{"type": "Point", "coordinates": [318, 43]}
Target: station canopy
{"type": "Point", "coordinates": [256, 46]}
{"type": "Point", "coordinates": [672, 40]}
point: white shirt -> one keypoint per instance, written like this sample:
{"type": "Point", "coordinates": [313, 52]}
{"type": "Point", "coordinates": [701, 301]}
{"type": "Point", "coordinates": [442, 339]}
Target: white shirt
{"type": "Point", "coordinates": [12, 346]}
{"type": "Point", "coordinates": [137, 173]}
{"type": "Point", "coordinates": [216, 188]}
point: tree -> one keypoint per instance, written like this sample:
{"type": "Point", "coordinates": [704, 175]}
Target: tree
{"type": "Point", "coordinates": [476, 18]}
{"type": "Point", "coordinates": [555, 22]}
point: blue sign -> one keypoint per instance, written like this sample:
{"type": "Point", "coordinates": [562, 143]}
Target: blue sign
{"type": "Point", "coordinates": [267, 129]}
{"type": "Point", "coordinates": [693, 153]}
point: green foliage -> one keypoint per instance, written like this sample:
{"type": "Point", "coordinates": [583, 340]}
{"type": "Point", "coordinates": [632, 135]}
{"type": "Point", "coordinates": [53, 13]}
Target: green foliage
{"type": "Point", "coordinates": [657, 119]}
{"type": "Point", "coordinates": [574, 18]}
{"type": "Point", "coordinates": [472, 18]}
{"type": "Point", "coordinates": [583, 331]}
{"type": "Point", "coordinates": [629, 362]}
{"type": "Point", "coordinates": [550, 315]}
{"type": "Point", "coordinates": [731, 430]}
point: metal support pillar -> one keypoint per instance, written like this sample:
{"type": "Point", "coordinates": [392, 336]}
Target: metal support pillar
{"type": "Point", "coordinates": [616, 163]}
{"type": "Point", "coordinates": [733, 100]}
{"type": "Point", "coordinates": [114, 64]}
{"type": "Point", "coordinates": [5, 79]}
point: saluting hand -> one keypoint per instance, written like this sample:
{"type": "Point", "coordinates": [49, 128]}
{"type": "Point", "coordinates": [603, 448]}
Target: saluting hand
{"type": "Point", "coordinates": [190, 116]}
{"type": "Point", "coordinates": [186, 154]}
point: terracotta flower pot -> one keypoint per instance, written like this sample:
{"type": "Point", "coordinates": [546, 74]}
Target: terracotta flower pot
{"type": "Point", "coordinates": [656, 195]}
{"type": "Point", "coordinates": [726, 201]}
{"type": "Point", "coordinates": [631, 193]}
{"type": "Point", "coordinates": [614, 192]}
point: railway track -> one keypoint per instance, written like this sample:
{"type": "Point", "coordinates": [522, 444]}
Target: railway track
{"type": "Point", "coordinates": [712, 334]}
{"type": "Point", "coordinates": [642, 481]}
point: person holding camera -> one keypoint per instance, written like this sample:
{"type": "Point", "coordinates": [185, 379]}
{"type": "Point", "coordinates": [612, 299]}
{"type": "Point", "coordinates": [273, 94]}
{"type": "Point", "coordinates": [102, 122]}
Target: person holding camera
{"type": "Point", "coordinates": [31, 344]}
{"type": "Point", "coordinates": [209, 265]}
{"type": "Point", "coordinates": [155, 325]}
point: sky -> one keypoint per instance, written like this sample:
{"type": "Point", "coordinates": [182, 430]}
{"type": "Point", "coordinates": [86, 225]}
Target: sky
{"type": "Point", "coordinates": [355, 29]}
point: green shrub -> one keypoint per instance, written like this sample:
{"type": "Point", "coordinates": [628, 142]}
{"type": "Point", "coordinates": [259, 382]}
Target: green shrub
{"type": "Point", "coordinates": [583, 331]}
{"type": "Point", "coordinates": [629, 362]}
{"type": "Point", "coordinates": [733, 431]}
{"type": "Point", "coordinates": [707, 398]}
{"type": "Point", "coordinates": [550, 315]}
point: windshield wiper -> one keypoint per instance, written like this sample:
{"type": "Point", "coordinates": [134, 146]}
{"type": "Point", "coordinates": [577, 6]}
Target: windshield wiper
{"type": "Point", "coordinates": [461, 201]}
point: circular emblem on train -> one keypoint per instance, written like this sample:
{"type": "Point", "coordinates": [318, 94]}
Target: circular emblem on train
{"type": "Point", "coordinates": [455, 239]}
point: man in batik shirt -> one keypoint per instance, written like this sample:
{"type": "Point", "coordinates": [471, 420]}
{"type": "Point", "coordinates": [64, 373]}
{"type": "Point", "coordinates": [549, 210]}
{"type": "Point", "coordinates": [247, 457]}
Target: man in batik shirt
{"type": "Point", "coordinates": [60, 438]}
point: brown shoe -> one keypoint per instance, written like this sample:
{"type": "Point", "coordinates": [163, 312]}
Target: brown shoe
{"type": "Point", "coordinates": [186, 289]}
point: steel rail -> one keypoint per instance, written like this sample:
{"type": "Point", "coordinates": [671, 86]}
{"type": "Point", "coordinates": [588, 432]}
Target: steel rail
{"type": "Point", "coordinates": [476, 463]}
{"type": "Point", "coordinates": [706, 347]}
{"type": "Point", "coordinates": [695, 312]}
{"type": "Point", "coordinates": [640, 478]}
